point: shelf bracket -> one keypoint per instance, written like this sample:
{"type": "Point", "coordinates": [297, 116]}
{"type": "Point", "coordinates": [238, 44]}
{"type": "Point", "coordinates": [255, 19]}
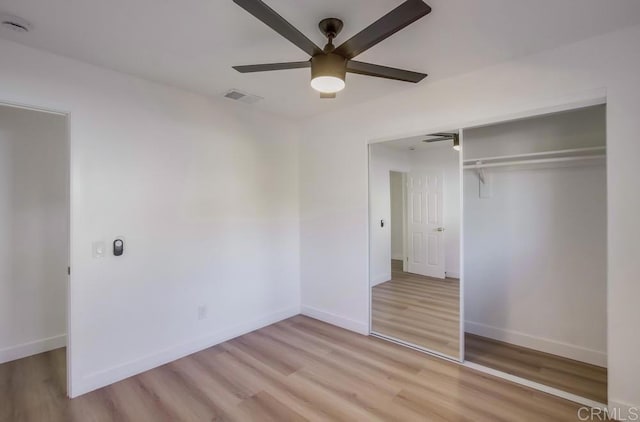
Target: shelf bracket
{"type": "Point", "coordinates": [480, 171]}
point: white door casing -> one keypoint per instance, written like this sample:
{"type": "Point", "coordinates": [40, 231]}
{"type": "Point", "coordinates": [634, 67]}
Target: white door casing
{"type": "Point", "coordinates": [425, 232]}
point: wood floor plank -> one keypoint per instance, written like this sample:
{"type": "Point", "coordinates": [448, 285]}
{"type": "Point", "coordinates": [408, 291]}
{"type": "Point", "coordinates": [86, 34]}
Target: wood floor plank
{"type": "Point", "coordinates": [263, 407]}
{"type": "Point", "coordinates": [132, 401]}
{"type": "Point", "coordinates": [471, 394]}
{"type": "Point", "coordinates": [215, 374]}
{"type": "Point", "coordinates": [183, 399]}
{"type": "Point", "coordinates": [278, 385]}
{"type": "Point", "coordinates": [220, 393]}
{"type": "Point", "coordinates": [299, 369]}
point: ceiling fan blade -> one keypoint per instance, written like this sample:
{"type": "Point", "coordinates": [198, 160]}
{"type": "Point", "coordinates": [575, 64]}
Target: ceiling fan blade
{"type": "Point", "coordinates": [400, 17]}
{"type": "Point", "coordinates": [279, 24]}
{"type": "Point", "coordinates": [272, 66]}
{"type": "Point", "coordinates": [369, 69]}
{"type": "Point", "coordinates": [327, 95]}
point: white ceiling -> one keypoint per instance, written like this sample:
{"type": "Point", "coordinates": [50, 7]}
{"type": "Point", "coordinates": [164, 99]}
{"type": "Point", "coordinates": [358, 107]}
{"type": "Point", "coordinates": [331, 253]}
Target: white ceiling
{"type": "Point", "coordinates": [193, 43]}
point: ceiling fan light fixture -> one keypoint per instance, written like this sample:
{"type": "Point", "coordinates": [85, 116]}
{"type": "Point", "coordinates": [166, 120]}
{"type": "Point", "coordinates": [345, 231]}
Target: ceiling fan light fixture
{"type": "Point", "coordinates": [456, 142]}
{"type": "Point", "coordinates": [327, 84]}
{"type": "Point", "coordinates": [328, 72]}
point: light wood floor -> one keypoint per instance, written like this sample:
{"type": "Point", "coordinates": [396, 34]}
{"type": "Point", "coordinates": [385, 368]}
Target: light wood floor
{"type": "Point", "coordinates": [297, 369]}
{"type": "Point", "coordinates": [564, 374]}
{"type": "Point", "coordinates": [421, 310]}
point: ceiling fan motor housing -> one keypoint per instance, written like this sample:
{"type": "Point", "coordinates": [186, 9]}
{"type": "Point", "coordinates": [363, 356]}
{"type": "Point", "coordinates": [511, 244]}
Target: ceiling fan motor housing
{"type": "Point", "coordinates": [330, 64]}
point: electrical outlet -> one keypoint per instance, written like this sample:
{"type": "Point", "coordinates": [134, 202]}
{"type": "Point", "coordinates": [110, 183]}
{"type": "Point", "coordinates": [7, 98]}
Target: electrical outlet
{"type": "Point", "coordinates": [202, 312]}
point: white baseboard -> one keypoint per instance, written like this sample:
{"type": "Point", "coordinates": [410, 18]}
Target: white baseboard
{"type": "Point", "coordinates": [452, 274]}
{"type": "Point", "coordinates": [397, 257]}
{"type": "Point", "coordinates": [337, 320]}
{"type": "Point", "coordinates": [32, 348]}
{"type": "Point", "coordinates": [579, 353]}
{"type": "Point", "coordinates": [116, 373]}
{"type": "Point", "coordinates": [380, 279]}
{"type": "Point", "coordinates": [620, 411]}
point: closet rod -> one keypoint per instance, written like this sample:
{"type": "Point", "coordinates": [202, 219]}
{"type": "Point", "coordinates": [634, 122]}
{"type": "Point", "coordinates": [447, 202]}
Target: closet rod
{"type": "Point", "coordinates": [536, 154]}
{"type": "Point", "coordinates": [538, 161]}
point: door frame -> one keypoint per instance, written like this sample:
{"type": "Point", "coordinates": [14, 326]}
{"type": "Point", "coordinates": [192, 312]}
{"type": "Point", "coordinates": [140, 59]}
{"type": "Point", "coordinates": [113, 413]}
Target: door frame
{"type": "Point", "coordinates": [405, 225]}
{"type": "Point", "coordinates": [403, 211]}
{"type": "Point", "coordinates": [67, 115]}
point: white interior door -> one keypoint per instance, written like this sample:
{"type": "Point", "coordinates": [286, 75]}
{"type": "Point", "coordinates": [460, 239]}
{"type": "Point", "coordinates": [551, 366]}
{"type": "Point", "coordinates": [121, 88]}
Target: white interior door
{"type": "Point", "coordinates": [425, 231]}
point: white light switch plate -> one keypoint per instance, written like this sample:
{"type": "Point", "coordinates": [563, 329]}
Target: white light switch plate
{"type": "Point", "coordinates": [99, 249]}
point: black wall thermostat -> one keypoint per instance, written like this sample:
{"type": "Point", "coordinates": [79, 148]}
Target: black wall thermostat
{"type": "Point", "coordinates": [118, 247]}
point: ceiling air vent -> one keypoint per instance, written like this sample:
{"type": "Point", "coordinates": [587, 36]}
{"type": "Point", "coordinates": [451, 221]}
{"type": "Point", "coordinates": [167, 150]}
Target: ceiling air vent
{"type": "Point", "coordinates": [238, 95]}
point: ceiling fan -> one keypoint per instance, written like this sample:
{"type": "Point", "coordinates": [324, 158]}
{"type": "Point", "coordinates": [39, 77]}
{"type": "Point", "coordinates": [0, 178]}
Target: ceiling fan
{"type": "Point", "coordinates": [330, 65]}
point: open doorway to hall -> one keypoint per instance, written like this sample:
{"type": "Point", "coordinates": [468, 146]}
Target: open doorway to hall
{"type": "Point", "coordinates": [34, 249]}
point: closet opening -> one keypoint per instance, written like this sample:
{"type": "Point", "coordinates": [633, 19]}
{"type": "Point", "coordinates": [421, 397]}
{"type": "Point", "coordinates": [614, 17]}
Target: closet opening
{"type": "Point", "coordinates": [535, 251]}
{"type": "Point", "coordinates": [415, 242]}
{"type": "Point", "coordinates": [34, 249]}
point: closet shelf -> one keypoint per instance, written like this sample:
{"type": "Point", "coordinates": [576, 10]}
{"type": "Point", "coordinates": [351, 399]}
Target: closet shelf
{"type": "Point", "coordinates": [564, 155]}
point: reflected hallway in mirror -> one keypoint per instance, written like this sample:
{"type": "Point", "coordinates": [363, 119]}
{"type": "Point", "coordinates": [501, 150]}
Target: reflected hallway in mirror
{"type": "Point", "coordinates": [415, 243]}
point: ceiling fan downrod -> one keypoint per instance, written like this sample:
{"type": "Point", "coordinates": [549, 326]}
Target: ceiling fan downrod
{"type": "Point", "coordinates": [330, 27]}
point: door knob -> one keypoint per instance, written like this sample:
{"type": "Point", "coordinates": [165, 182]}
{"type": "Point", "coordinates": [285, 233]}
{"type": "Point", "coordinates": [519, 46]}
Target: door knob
{"type": "Point", "coordinates": [440, 229]}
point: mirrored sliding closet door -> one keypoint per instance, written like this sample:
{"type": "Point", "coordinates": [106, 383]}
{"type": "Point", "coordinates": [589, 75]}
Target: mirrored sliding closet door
{"type": "Point", "coordinates": [535, 257]}
{"type": "Point", "coordinates": [414, 191]}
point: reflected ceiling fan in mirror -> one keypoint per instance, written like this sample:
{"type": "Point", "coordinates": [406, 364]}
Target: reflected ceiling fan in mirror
{"type": "Point", "coordinates": [330, 65]}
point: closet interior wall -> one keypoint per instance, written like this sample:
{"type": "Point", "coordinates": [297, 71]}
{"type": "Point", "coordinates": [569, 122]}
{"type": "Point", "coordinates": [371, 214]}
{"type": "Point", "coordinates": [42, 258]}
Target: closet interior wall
{"type": "Point", "coordinates": [535, 242]}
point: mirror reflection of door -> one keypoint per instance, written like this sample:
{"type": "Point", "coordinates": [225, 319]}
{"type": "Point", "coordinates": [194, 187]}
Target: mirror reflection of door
{"type": "Point", "coordinates": [414, 259]}
{"type": "Point", "coordinates": [424, 223]}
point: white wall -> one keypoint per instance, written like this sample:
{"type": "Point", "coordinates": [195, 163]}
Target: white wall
{"type": "Point", "coordinates": [442, 157]}
{"type": "Point", "coordinates": [334, 212]}
{"type": "Point", "coordinates": [34, 244]}
{"type": "Point", "coordinates": [535, 251]}
{"type": "Point", "coordinates": [204, 191]}
{"type": "Point", "coordinates": [397, 211]}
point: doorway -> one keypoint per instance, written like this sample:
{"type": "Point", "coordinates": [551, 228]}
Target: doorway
{"type": "Point", "coordinates": [34, 239]}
